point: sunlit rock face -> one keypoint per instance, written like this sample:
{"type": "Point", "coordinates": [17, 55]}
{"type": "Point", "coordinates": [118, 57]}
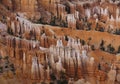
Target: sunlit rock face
{"type": "Point", "coordinates": [61, 11]}
{"type": "Point", "coordinates": [22, 5]}
{"type": "Point", "coordinates": [7, 3]}
{"type": "Point", "coordinates": [71, 21]}
{"type": "Point", "coordinates": [59, 41]}
{"type": "Point", "coordinates": [29, 7]}
{"type": "Point", "coordinates": [69, 58]}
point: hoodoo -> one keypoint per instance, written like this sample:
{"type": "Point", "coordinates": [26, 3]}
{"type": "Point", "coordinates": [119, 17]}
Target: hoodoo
{"type": "Point", "coordinates": [59, 41]}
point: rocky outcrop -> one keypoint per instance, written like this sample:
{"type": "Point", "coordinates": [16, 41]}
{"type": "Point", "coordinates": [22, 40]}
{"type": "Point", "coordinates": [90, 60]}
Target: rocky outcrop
{"type": "Point", "coordinates": [71, 21]}
{"type": "Point", "coordinates": [45, 53]}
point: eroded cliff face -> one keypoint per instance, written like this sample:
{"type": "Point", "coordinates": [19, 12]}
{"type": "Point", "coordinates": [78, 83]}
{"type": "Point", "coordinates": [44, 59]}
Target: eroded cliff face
{"type": "Point", "coordinates": [60, 41]}
{"type": "Point", "coordinates": [19, 5]}
{"type": "Point", "coordinates": [29, 7]}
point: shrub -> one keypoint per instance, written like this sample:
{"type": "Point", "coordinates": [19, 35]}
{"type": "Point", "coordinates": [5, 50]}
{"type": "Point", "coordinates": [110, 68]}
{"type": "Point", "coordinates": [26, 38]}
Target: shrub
{"type": "Point", "coordinates": [52, 76]}
{"type": "Point", "coordinates": [12, 67]}
{"type": "Point", "coordinates": [101, 29]}
{"type": "Point", "coordinates": [63, 24]}
{"type": "Point", "coordinates": [99, 67]}
{"type": "Point", "coordinates": [110, 48]}
{"type": "Point", "coordinates": [102, 46]}
{"type": "Point", "coordinates": [102, 43]}
{"type": "Point", "coordinates": [43, 83]}
{"type": "Point", "coordinates": [63, 79]}
{"type": "Point", "coordinates": [117, 32]}
{"type": "Point", "coordinates": [6, 57]}
{"type": "Point", "coordinates": [82, 42]}
{"type": "Point", "coordinates": [9, 31]}
{"type": "Point", "coordinates": [62, 82]}
{"type": "Point", "coordinates": [67, 8]}
{"type": "Point", "coordinates": [66, 38]}
{"type": "Point", "coordinates": [89, 26]}
{"type": "Point", "coordinates": [51, 82]}
{"type": "Point", "coordinates": [89, 39]}
{"type": "Point", "coordinates": [6, 66]}
{"type": "Point", "coordinates": [53, 21]}
{"type": "Point", "coordinates": [1, 69]}
{"type": "Point", "coordinates": [0, 57]}
{"type": "Point", "coordinates": [118, 50]}
{"type": "Point", "coordinates": [93, 47]}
